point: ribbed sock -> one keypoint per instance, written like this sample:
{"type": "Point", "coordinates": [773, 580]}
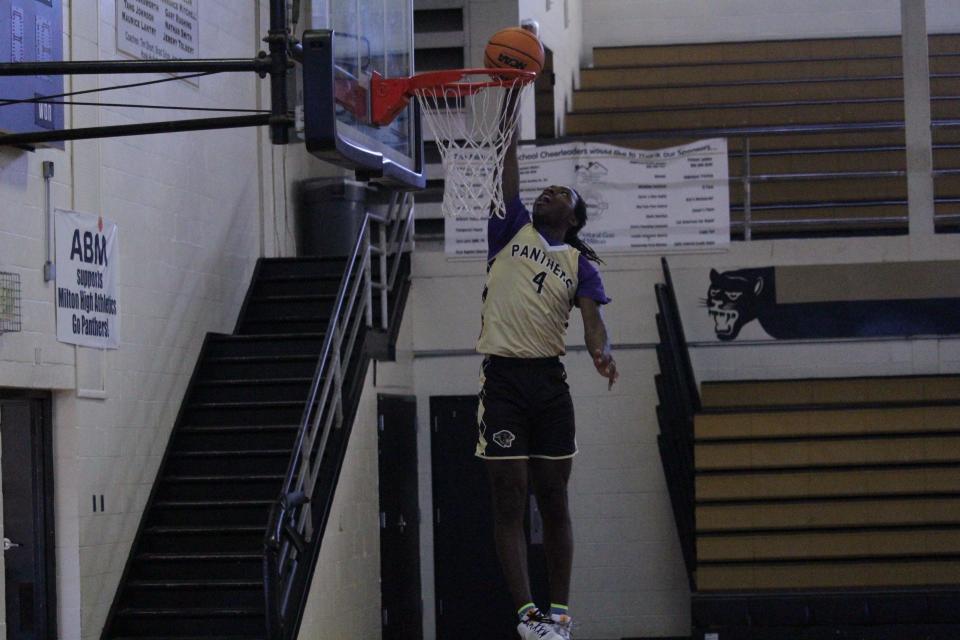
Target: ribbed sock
{"type": "Point", "coordinates": [558, 610]}
{"type": "Point", "coordinates": [526, 609]}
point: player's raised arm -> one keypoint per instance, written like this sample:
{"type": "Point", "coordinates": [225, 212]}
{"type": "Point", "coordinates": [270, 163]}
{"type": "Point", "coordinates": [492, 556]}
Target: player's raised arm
{"type": "Point", "coordinates": [511, 169]}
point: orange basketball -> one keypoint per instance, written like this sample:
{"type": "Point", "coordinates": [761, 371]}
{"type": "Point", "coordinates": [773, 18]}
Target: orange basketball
{"type": "Point", "coordinates": [514, 48]}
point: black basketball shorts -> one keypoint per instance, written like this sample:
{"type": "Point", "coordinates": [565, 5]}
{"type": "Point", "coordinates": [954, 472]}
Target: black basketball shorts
{"type": "Point", "coordinates": [525, 410]}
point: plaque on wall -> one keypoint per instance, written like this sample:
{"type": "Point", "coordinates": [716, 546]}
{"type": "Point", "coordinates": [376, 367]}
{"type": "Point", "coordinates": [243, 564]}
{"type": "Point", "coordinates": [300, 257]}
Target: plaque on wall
{"type": "Point", "coordinates": [158, 29]}
{"type": "Point", "coordinates": [31, 31]}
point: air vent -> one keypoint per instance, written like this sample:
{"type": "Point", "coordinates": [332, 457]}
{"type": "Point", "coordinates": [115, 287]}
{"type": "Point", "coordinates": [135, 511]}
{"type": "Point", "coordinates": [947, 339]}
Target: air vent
{"type": "Point", "coordinates": [9, 302]}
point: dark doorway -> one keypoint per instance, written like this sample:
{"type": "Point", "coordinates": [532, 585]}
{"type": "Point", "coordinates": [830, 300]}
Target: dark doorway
{"type": "Point", "coordinates": [28, 526]}
{"type": "Point", "coordinates": [399, 518]}
{"type": "Point", "coordinates": [543, 98]}
{"type": "Point", "coordinates": [469, 584]}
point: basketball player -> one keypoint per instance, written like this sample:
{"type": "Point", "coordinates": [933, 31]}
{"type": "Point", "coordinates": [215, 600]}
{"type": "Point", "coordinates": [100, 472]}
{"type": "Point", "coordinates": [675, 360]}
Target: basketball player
{"type": "Point", "coordinates": [538, 269]}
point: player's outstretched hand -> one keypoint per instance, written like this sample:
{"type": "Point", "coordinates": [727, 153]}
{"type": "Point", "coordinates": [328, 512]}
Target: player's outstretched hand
{"type": "Point", "coordinates": [606, 366]}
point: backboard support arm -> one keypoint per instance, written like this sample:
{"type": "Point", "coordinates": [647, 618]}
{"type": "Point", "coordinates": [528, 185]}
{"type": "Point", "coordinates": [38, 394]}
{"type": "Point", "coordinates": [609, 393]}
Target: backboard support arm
{"type": "Point", "coordinates": [275, 64]}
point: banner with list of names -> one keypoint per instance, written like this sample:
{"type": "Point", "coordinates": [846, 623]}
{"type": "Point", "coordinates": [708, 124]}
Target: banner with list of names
{"type": "Point", "coordinates": [158, 29]}
{"type": "Point", "coordinates": [674, 199]}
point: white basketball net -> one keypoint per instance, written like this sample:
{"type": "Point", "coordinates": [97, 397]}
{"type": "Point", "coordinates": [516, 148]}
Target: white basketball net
{"type": "Point", "coordinates": [472, 132]}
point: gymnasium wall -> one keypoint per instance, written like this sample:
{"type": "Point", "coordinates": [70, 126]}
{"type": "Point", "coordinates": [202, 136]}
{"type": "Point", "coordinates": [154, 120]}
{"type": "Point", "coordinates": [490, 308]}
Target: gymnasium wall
{"type": "Point", "coordinates": [637, 22]}
{"type": "Point", "coordinates": [194, 212]}
{"type": "Point", "coordinates": [628, 578]}
{"type": "Point", "coordinates": [187, 207]}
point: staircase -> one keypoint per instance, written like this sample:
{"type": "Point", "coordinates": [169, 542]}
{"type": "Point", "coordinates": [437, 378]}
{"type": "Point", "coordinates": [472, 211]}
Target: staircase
{"type": "Point", "coordinates": [197, 565]}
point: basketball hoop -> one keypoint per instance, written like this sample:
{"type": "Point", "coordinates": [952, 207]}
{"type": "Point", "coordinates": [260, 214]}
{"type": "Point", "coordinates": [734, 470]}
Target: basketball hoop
{"type": "Point", "coordinates": [473, 114]}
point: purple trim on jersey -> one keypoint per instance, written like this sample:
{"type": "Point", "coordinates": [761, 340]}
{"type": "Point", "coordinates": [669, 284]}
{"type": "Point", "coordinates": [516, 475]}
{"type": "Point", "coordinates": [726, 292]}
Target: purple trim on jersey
{"type": "Point", "coordinates": [590, 285]}
{"type": "Point", "coordinates": [501, 230]}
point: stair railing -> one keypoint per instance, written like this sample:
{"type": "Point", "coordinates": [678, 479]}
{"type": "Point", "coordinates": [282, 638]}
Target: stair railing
{"type": "Point", "coordinates": [395, 234]}
{"type": "Point", "coordinates": [294, 528]}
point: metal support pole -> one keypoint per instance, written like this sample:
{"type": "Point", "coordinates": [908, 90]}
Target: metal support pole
{"type": "Point", "coordinates": [747, 191]}
{"type": "Point", "coordinates": [84, 67]}
{"type": "Point", "coordinates": [278, 40]}
{"type": "Point", "coordinates": [918, 137]}
{"type": "Point", "coordinates": [169, 126]}
{"type": "Point", "coordinates": [367, 267]}
{"type": "Point", "coordinates": [49, 270]}
{"type": "Point", "coordinates": [384, 316]}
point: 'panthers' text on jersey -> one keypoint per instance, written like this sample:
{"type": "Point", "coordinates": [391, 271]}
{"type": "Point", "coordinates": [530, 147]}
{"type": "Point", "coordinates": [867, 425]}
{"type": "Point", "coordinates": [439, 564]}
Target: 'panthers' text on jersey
{"type": "Point", "coordinates": [526, 303]}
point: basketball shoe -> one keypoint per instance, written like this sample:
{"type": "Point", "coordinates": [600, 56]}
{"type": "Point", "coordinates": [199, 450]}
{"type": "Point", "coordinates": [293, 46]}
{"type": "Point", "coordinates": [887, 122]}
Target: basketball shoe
{"type": "Point", "coordinates": [535, 626]}
{"type": "Point", "coordinates": [562, 626]}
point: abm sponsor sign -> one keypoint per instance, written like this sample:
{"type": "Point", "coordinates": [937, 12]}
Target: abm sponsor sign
{"type": "Point", "coordinates": [88, 313]}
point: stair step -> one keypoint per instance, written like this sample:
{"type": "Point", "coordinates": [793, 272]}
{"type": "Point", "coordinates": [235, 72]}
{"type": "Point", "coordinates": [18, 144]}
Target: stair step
{"type": "Point", "coordinates": [176, 530]}
{"type": "Point", "coordinates": [195, 584]}
{"type": "Point", "coordinates": [195, 612]}
{"type": "Point", "coordinates": [252, 381]}
{"type": "Point", "coordinates": [294, 284]}
{"type": "Point", "coordinates": [261, 359]}
{"type": "Point", "coordinates": [229, 463]}
{"type": "Point", "coordinates": [240, 453]}
{"type": "Point", "coordinates": [314, 266]}
{"type": "Point", "coordinates": [294, 297]}
{"type": "Point", "coordinates": [274, 366]}
{"type": "Point", "coordinates": [213, 504]}
{"type": "Point", "coordinates": [223, 565]}
{"type": "Point", "coordinates": [285, 324]}
{"type": "Point", "coordinates": [251, 390]}
{"type": "Point", "coordinates": [271, 344]}
{"type": "Point", "coordinates": [216, 406]}
{"type": "Point", "coordinates": [222, 486]}
{"type": "Point", "coordinates": [293, 307]}
{"type": "Point", "coordinates": [225, 478]}
{"type": "Point", "coordinates": [187, 621]}
{"type": "Point", "coordinates": [193, 592]}
{"type": "Point", "coordinates": [228, 437]}
{"type": "Point", "coordinates": [238, 428]}
{"type": "Point", "coordinates": [237, 413]}
{"type": "Point", "coordinates": [206, 637]}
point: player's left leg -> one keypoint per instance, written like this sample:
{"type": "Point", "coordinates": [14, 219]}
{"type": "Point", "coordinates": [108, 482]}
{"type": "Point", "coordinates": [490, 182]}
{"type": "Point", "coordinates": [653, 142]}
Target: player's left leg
{"type": "Point", "coordinates": [552, 446]}
{"type": "Point", "coordinates": [549, 479]}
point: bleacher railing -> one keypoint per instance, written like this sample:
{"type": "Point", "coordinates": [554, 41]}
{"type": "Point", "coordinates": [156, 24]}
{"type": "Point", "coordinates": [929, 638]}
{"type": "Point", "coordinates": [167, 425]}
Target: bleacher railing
{"type": "Point", "coordinates": [297, 518]}
{"type": "Point", "coordinates": [679, 403]}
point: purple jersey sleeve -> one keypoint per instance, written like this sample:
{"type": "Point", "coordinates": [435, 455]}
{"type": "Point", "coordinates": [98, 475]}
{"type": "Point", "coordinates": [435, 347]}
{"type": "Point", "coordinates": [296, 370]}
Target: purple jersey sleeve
{"type": "Point", "coordinates": [500, 230]}
{"type": "Point", "coordinates": [590, 284]}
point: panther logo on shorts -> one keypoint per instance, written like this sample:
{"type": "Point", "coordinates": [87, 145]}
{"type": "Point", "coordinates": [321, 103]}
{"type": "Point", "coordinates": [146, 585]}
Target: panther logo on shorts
{"type": "Point", "coordinates": [504, 439]}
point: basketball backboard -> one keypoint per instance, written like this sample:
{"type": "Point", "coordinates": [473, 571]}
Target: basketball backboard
{"type": "Point", "coordinates": [348, 42]}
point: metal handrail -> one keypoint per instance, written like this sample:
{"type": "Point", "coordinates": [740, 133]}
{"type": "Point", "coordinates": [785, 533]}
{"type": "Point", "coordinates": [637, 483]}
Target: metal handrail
{"type": "Point", "coordinates": [290, 527]}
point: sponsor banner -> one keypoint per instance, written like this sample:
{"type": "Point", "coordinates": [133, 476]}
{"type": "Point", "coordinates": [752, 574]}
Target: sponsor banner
{"type": "Point", "coordinates": [88, 313]}
{"type": "Point", "coordinates": [674, 199]}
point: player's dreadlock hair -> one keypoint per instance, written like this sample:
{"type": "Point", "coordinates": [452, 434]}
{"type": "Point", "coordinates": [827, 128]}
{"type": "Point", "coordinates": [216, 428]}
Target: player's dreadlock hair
{"type": "Point", "coordinates": [572, 239]}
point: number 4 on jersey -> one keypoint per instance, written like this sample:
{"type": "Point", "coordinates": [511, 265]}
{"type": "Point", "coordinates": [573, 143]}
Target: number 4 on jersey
{"type": "Point", "coordinates": [538, 279]}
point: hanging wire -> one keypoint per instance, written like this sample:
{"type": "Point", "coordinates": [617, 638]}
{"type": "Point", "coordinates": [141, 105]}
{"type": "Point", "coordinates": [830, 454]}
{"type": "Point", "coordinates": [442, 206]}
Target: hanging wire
{"type": "Point", "coordinates": [37, 99]}
{"type": "Point", "coordinates": [141, 106]}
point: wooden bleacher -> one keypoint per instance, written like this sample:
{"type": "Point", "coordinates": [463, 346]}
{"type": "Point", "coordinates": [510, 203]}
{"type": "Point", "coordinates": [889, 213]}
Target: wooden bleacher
{"type": "Point", "coordinates": [828, 484]}
{"type": "Point", "coordinates": [824, 120]}
{"type": "Point", "coordinates": [812, 509]}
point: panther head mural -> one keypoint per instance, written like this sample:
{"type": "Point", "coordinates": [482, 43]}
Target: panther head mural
{"type": "Point", "coordinates": [733, 300]}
